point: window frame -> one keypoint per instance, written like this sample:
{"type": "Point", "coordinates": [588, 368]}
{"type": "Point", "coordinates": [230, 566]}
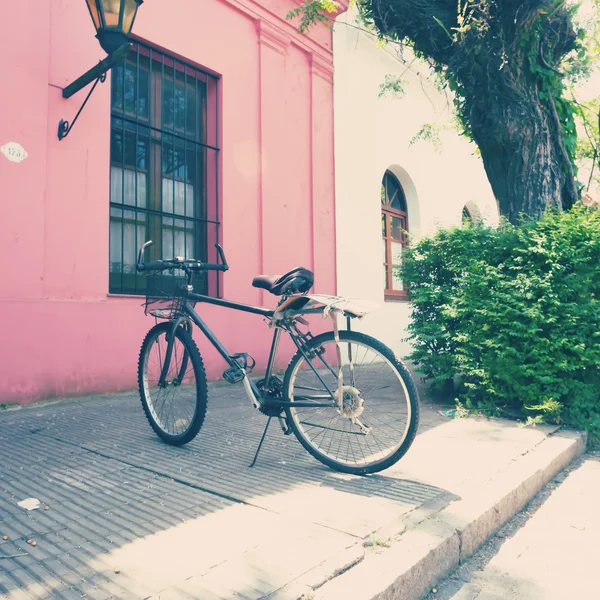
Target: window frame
{"type": "Point", "coordinates": [466, 217]}
{"type": "Point", "coordinates": [388, 212]}
{"type": "Point", "coordinates": [191, 146]}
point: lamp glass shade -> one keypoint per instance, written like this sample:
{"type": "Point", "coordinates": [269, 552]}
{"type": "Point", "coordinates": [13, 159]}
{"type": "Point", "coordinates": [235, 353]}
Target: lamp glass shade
{"type": "Point", "coordinates": [113, 20]}
{"type": "Point", "coordinates": [129, 12]}
{"type": "Point", "coordinates": [112, 13]}
{"type": "Point", "coordinates": [95, 14]}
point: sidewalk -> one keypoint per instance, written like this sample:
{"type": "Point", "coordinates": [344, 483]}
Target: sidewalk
{"type": "Point", "coordinates": [551, 556]}
{"type": "Point", "coordinates": [130, 517]}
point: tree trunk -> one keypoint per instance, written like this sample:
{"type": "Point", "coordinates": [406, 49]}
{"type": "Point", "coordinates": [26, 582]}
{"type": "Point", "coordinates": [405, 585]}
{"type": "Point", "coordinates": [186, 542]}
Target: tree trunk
{"type": "Point", "coordinates": [504, 63]}
{"type": "Point", "coordinates": [521, 145]}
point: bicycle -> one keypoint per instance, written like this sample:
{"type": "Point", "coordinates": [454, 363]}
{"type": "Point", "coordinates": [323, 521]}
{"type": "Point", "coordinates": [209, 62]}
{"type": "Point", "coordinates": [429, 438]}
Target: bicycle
{"type": "Point", "coordinates": [345, 396]}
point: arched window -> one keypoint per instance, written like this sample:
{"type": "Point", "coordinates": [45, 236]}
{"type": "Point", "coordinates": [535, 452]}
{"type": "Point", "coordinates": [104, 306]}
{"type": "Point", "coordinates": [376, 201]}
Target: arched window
{"type": "Point", "coordinates": [466, 216]}
{"type": "Point", "coordinates": [471, 213]}
{"type": "Point", "coordinates": [394, 227]}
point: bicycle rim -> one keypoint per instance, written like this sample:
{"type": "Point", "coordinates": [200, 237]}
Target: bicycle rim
{"type": "Point", "coordinates": [172, 406]}
{"type": "Point", "coordinates": [376, 413]}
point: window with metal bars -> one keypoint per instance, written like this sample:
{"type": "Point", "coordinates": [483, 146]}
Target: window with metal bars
{"type": "Point", "coordinates": [394, 228]}
{"type": "Point", "coordinates": [164, 165]}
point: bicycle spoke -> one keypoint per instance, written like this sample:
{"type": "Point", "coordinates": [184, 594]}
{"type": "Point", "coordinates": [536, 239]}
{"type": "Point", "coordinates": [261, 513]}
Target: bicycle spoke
{"type": "Point", "coordinates": [373, 393]}
{"type": "Point", "coordinates": [173, 404]}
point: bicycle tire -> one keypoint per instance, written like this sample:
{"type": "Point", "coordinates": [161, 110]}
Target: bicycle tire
{"type": "Point", "coordinates": [191, 355]}
{"type": "Point", "coordinates": [407, 384]}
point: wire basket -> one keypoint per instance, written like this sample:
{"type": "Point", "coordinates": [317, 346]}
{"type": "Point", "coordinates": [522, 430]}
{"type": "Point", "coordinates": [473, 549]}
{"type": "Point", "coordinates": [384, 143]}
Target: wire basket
{"type": "Point", "coordinates": [164, 294]}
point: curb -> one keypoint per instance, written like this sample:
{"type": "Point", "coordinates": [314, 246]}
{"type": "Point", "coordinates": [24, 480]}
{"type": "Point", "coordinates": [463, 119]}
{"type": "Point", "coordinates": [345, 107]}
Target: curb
{"type": "Point", "coordinates": [431, 550]}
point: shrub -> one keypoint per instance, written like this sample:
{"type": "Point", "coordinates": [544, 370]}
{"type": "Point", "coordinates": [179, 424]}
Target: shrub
{"type": "Point", "coordinates": [513, 315]}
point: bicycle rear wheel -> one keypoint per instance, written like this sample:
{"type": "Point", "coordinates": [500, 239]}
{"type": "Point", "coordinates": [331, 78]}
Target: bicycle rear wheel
{"type": "Point", "coordinates": [378, 419]}
{"type": "Point", "coordinates": [175, 409]}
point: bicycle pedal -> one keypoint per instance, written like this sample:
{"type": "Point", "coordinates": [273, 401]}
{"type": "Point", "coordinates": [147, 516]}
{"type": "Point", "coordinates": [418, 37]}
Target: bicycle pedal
{"type": "Point", "coordinates": [245, 361]}
{"type": "Point", "coordinates": [234, 375]}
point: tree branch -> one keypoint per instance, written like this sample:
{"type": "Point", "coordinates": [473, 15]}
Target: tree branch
{"type": "Point", "coordinates": [592, 170]}
{"type": "Point", "coordinates": [543, 60]}
{"type": "Point", "coordinates": [417, 20]}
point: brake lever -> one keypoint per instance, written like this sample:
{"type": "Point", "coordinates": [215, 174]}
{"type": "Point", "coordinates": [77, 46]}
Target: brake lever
{"type": "Point", "coordinates": [221, 254]}
{"type": "Point", "coordinates": [140, 260]}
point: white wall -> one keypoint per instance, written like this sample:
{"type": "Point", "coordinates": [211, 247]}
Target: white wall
{"type": "Point", "coordinates": [372, 135]}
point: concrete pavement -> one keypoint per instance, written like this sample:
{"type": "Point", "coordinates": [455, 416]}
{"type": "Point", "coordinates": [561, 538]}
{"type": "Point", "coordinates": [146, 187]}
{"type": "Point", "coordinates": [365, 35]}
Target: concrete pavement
{"type": "Point", "coordinates": [549, 553]}
{"type": "Point", "coordinates": [130, 517]}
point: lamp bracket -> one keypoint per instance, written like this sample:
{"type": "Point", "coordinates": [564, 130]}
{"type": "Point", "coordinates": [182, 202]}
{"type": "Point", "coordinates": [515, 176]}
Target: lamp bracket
{"type": "Point", "coordinates": [96, 74]}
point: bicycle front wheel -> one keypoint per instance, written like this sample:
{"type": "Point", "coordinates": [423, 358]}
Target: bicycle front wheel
{"type": "Point", "coordinates": [372, 409]}
{"type": "Point", "coordinates": [175, 407]}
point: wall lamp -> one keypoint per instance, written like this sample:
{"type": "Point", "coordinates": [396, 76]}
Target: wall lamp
{"type": "Point", "coordinates": [113, 20]}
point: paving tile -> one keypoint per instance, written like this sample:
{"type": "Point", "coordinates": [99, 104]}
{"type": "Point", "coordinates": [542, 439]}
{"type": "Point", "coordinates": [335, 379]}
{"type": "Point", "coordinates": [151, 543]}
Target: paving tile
{"type": "Point", "coordinates": [185, 522]}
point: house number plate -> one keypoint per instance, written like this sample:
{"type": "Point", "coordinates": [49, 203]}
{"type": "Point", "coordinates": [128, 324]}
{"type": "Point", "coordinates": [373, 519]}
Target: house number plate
{"type": "Point", "coordinates": [14, 152]}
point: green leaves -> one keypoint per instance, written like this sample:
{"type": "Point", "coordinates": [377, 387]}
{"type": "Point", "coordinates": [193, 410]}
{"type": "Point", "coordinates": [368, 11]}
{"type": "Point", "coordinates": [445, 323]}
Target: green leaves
{"type": "Point", "coordinates": [393, 87]}
{"type": "Point", "coordinates": [512, 316]}
{"type": "Point", "coordinates": [313, 12]}
{"type": "Point", "coordinates": [430, 132]}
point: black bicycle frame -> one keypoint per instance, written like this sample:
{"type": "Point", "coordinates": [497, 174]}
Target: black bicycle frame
{"type": "Point", "coordinates": [298, 338]}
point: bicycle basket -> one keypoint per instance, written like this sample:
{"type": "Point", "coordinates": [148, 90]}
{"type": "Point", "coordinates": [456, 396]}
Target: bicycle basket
{"type": "Point", "coordinates": [164, 291]}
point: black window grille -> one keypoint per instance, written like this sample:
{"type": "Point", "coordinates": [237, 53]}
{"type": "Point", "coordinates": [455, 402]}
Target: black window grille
{"type": "Point", "coordinates": [164, 165]}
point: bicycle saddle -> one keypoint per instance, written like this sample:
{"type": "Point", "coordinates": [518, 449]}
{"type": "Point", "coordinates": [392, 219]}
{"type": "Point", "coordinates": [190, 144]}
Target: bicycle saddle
{"type": "Point", "coordinates": [297, 280]}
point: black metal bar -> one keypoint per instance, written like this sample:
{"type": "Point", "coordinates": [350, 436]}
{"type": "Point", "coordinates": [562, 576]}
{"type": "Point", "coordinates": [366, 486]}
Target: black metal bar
{"type": "Point", "coordinates": [167, 364]}
{"type": "Point", "coordinates": [218, 275]}
{"type": "Point", "coordinates": [204, 72]}
{"type": "Point", "coordinates": [64, 127]}
{"type": "Point", "coordinates": [185, 159]}
{"type": "Point", "coordinates": [274, 345]}
{"type": "Point", "coordinates": [265, 312]}
{"type": "Point", "coordinates": [198, 115]}
{"type": "Point", "coordinates": [262, 439]}
{"type": "Point", "coordinates": [174, 150]}
{"type": "Point", "coordinates": [159, 213]}
{"type": "Point", "coordinates": [350, 359]}
{"type": "Point", "coordinates": [101, 14]}
{"type": "Point", "coordinates": [162, 155]}
{"type": "Point", "coordinates": [283, 403]}
{"type": "Point", "coordinates": [328, 366]}
{"type": "Point", "coordinates": [212, 338]}
{"type": "Point", "coordinates": [151, 166]}
{"type": "Point", "coordinates": [217, 143]}
{"type": "Point", "coordinates": [135, 153]}
{"type": "Point", "coordinates": [173, 134]}
{"type": "Point", "coordinates": [121, 13]}
{"type": "Point", "coordinates": [123, 144]}
{"type": "Point", "coordinates": [301, 349]}
{"type": "Point", "coordinates": [95, 72]}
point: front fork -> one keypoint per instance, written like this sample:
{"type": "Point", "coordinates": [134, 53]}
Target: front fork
{"type": "Point", "coordinates": [162, 382]}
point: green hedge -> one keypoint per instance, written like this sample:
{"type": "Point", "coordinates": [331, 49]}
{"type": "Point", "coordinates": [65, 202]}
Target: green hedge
{"type": "Point", "coordinates": [509, 318]}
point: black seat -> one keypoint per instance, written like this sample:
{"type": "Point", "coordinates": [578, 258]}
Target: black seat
{"type": "Point", "coordinates": [297, 280]}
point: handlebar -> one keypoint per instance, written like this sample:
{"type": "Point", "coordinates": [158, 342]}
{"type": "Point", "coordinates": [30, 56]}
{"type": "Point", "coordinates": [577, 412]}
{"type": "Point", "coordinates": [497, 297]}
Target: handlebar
{"type": "Point", "coordinates": [180, 263]}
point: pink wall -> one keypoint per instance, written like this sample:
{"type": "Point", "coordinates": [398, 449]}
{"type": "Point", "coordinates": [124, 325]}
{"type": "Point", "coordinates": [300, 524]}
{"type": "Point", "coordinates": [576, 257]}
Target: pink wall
{"type": "Point", "coordinates": [62, 334]}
